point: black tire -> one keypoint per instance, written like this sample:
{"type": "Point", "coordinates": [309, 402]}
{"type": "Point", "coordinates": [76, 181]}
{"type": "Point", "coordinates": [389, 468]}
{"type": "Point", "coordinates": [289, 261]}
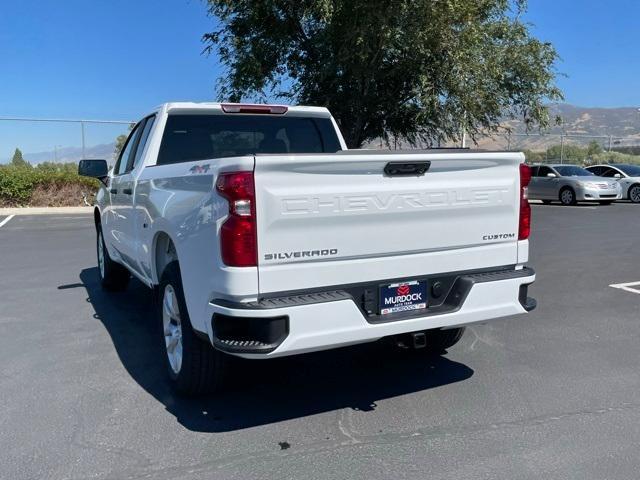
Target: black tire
{"type": "Point", "coordinates": [546, 202]}
{"type": "Point", "coordinates": [605, 202]}
{"type": "Point", "coordinates": [634, 193]}
{"type": "Point", "coordinates": [565, 198]}
{"type": "Point", "coordinates": [438, 341]}
{"type": "Point", "coordinates": [113, 276]}
{"type": "Point", "coordinates": [202, 368]}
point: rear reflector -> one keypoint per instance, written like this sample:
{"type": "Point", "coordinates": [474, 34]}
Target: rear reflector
{"type": "Point", "coordinates": [524, 228]}
{"type": "Point", "coordinates": [254, 108]}
{"type": "Point", "coordinates": [238, 237]}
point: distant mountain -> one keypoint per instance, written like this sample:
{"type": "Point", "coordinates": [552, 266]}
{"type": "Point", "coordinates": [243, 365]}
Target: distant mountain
{"type": "Point", "coordinates": [72, 154]}
{"type": "Point", "coordinates": [622, 124]}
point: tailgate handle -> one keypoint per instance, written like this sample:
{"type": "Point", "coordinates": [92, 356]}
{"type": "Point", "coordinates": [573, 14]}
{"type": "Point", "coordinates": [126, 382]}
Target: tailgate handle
{"type": "Point", "coordinates": [406, 169]}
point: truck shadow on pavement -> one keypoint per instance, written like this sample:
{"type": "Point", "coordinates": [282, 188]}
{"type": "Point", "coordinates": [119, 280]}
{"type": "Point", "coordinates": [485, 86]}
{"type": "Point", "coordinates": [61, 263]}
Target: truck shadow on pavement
{"type": "Point", "coordinates": [264, 392]}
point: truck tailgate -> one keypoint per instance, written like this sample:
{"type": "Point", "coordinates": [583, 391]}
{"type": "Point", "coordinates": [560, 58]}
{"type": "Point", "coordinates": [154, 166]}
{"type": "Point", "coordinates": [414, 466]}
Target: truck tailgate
{"type": "Point", "coordinates": [335, 219]}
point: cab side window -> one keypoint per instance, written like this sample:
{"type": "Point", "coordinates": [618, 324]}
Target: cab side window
{"type": "Point", "coordinates": [134, 159]}
{"type": "Point", "coordinates": [129, 147]}
{"type": "Point", "coordinates": [544, 171]}
{"type": "Point", "coordinates": [608, 172]}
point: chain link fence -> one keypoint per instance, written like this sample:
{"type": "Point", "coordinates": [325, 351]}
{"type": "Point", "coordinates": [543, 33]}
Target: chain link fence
{"type": "Point", "coordinates": [69, 140]}
{"type": "Point", "coordinates": [582, 149]}
{"type": "Point", "coordinates": [41, 140]}
{"type": "Point", "coordinates": [567, 148]}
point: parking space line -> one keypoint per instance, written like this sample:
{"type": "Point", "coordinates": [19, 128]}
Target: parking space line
{"type": "Point", "coordinates": [564, 207]}
{"type": "Point", "coordinates": [6, 220]}
{"type": "Point", "coordinates": [628, 287]}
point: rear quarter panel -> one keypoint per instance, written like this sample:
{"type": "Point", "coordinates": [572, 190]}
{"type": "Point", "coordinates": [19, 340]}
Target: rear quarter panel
{"type": "Point", "coordinates": [179, 200]}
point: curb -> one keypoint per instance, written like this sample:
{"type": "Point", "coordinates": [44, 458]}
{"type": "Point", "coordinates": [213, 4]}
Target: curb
{"type": "Point", "coordinates": [46, 210]}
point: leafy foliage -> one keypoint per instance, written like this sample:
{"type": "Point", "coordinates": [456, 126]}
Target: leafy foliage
{"type": "Point", "coordinates": [18, 160]}
{"type": "Point", "coordinates": [120, 141]}
{"type": "Point", "coordinates": [594, 148]}
{"type": "Point", "coordinates": [17, 183]}
{"type": "Point", "coordinates": [579, 155]}
{"type": "Point", "coordinates": [416, 70]}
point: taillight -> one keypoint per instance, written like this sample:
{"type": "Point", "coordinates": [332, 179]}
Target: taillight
{"type": "Point", "coordinates": [254, 108]}
{"type": "Point", "coordinates": [238, 237]}
{"type": "Point", "coordinates": [524, 228]}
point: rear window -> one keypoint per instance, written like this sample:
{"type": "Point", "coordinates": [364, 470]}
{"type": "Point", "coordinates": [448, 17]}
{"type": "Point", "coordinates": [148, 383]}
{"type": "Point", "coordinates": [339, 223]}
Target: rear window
{"type": "Point", "coordinates": [199, 137]}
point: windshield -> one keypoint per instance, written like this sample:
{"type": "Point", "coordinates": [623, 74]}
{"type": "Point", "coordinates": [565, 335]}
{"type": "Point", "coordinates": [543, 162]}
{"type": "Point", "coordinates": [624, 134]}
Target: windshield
{"type": "Point", "coordinates": [631, 170]}
{"type": "Point", "coordinates": [573, 171]}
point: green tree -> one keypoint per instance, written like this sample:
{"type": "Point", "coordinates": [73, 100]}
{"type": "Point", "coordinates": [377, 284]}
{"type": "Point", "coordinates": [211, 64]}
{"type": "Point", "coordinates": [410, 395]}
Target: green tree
{"type": "Point", "coordinates": [568, 153]}
{"type": "Point", "coordinates": [120, 141]}
{"type": "Point", "coordinates": [594, 148]}
{"type": "Point", "coordinates": [416, 70]}
{"type": "Point", "coordinates": [534, 156]}
{"type": "Point", "coordinates": [18, 160]}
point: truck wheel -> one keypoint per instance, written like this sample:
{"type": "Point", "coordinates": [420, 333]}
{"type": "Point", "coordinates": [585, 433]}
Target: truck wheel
{"type": "Point", "coordinates": [113, 276]}
{"type": "Point", "coordinates": [193, 365]}
{"type": "Point", "coordinates": [567, 196]}
{"type": "Point", "coordinates": [440, 340]}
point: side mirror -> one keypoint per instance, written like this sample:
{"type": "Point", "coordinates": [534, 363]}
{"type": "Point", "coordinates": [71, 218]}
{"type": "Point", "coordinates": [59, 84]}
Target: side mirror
{"type": "Point", "coordinates": [552, 175]}
{"type": "Point", "coordinates": [618, 176]}
{"type": "Point", "coordinates": [93, 168]}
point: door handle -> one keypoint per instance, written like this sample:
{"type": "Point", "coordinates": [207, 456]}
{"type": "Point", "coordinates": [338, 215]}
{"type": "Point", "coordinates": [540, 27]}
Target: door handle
{"type": "Point", "coordinates": [127, 191]}
{"type": "Point", "coordinates": [113, 191]}
{"type": "Point", "coordinates": [406, 169]}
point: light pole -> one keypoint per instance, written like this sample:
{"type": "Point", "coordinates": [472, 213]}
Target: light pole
{"type": "Point", "coordinates": [55, 152]}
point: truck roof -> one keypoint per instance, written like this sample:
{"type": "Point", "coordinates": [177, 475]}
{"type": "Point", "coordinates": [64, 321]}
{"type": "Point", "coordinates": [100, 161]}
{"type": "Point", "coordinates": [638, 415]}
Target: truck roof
{"type": "Point", "coordinates": [217, 107]}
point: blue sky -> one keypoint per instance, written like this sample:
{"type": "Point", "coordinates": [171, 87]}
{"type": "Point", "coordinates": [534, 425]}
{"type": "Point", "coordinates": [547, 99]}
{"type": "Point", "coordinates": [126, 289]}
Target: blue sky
{"type": "Point", "coordinates": [115, 59]}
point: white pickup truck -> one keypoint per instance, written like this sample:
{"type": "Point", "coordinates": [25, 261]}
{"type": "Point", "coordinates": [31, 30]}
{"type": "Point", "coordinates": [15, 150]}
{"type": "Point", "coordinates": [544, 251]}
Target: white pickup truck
{"type": "Point", "coordinates": [264, 236]}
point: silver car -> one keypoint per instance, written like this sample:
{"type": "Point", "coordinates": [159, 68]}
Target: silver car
{"type": "Point", "coordinates": [628, 176]}
{"type": "Point", "coordinates": [570, 184]}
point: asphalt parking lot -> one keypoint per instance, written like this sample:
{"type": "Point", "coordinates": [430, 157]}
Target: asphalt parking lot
{"type": "Point", "coordinates": [551, 395]}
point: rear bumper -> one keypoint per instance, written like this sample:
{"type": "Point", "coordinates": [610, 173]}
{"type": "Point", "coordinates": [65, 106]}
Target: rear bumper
{"type": "Point", "coordinates": [303, 323]}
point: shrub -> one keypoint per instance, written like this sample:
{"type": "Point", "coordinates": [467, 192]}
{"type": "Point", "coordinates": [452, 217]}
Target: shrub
{"type": "Point", "coordinates": [578, 155]}
{"type": "Point", "coordinates": [17, 184]}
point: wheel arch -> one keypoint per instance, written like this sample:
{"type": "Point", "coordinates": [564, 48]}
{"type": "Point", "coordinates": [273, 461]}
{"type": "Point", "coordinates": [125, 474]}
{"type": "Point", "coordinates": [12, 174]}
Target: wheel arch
{"type": "Point", "coordinates": [635, 184]}
{"type": "Point", "coordinates": [567, 187]}
{"type": "Point", "coordinates": [164, 252]}
{"type": "Point", "coordinates": [564, 187]}
{"type": "Point", "coordinates": [97, 217]}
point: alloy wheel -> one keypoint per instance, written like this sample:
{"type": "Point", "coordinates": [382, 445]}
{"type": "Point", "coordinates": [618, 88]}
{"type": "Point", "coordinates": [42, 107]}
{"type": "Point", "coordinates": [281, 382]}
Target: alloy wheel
{"type": "Point", "coordinates": [100, 255]}
{"type": "Point", "coordinates": [567, 197]}
{"type": "Point", "coordinates": [172, 327]}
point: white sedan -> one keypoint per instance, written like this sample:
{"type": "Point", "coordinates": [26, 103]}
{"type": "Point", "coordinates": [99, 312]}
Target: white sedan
{"type": "Point", "coordinates": [628, 176]}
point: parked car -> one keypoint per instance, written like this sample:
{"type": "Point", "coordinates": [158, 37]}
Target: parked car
{"type": "Point", "coordinates": [263, 236]}
{"type": "Point", "coordinates": [570, 184]}
{"type": "Point", "coordinates": [628, 177]}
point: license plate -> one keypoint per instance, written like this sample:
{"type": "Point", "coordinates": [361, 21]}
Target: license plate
{"type": "Point", "coordinates": [403, 297]}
